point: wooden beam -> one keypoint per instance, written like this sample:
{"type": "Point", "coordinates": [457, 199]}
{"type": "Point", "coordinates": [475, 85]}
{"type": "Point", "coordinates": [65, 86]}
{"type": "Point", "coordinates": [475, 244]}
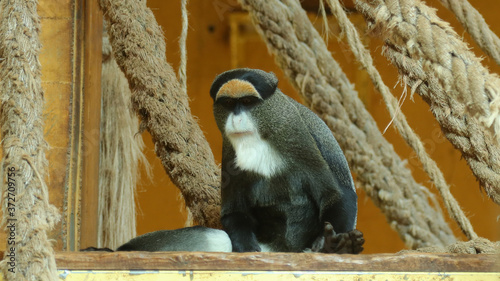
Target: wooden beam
{"type": "Point", "coordinates": [411, 262]}
{"type": "Point", "coordinates": [153, 275]}
{"type": "Point", "coordinates": [92, 53]}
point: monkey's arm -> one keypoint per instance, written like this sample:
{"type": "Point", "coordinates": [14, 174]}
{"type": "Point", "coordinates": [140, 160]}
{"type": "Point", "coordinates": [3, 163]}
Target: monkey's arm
{"type": "Point", "coordinates": [236, 217]}
{"type": "Point", "coordinates": [339, 214]}
{"type": "Point", "coordinates": [339, 234]}
{"type": "Point", "coordinates": [337, 202]}
{"type": "Point", "coordinates": [237, 220]}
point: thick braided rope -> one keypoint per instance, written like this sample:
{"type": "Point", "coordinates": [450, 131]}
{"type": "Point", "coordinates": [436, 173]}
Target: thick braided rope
{"type": "Point", "coordinates": [434, 61]}
{"type": "Point", "coordinates": [474, 246]}
{"type": "Point", "coordinates": [477, 27]}
{"type": "Point", "coordinates": [158, 98]}
{"type": "Point", "coordinates": [25, 199]}
{"type": "Point", "coordinates": [413, 140]}
{"type": "Point", "coordinates": [302, 54]}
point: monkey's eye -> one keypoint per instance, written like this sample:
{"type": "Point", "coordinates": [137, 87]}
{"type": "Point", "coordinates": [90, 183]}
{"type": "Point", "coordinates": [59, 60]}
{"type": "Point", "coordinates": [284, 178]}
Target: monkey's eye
{"type": "Point", "coordinates": [227, 102]}
{"type": "Point", "coordinates": [247, 101]}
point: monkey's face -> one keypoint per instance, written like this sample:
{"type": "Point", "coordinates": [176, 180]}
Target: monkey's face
{"type": "Point", "coordinates": [233, 105]}
{"type": "Point", "coordinates": [238, 94]}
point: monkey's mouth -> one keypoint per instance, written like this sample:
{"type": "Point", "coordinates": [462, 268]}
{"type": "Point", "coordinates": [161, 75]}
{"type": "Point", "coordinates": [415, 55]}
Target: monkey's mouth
{"type": "Point", "coordinates": [240, 134]}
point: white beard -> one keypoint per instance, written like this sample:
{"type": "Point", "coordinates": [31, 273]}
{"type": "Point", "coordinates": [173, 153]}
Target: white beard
{"type": "Point", "coordinates": [252, 152]}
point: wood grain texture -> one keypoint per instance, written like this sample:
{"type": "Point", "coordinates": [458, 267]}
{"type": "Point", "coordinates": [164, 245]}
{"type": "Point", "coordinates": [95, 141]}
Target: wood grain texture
{"type": "Point", "coordinates": [413, 262]}
{"type": "Point", "coordinates": [92, 53]}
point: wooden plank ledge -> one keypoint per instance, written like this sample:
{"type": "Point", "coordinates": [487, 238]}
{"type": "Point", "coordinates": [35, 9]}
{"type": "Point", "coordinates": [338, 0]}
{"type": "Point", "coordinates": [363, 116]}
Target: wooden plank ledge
{"type": "Point", "coordinates": [179, 261]}
{"type": "Point", "coordinates": [123, 275]}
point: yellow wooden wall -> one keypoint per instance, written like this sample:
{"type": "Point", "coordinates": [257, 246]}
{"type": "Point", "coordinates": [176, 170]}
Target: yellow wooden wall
{"type": "Point", "coordinates": [71, 36]}
{"type": "Point", "coordinates": [212, 49]}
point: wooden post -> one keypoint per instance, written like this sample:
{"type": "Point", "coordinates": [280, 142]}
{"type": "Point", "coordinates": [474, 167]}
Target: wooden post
{"type": "Point", "coordinates": [79, 227]}
{"type": "Point", "coordinates": [92, 63]}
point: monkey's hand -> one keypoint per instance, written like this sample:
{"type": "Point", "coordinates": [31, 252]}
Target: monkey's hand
{"type": "Point", "coordinates": [342, 243]}
{"type": "Point", "coordinates": [244, 241]}
{"type": "Point", "coordinates": [246, 246]}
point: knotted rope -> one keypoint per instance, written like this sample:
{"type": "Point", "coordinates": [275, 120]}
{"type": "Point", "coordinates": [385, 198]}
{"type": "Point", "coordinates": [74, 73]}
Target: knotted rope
{"type": "Point", "coordinates": [302, 54]}
{"type": "Point", "coordinates": [411, 138]}
{"type": "Point", "coordinates": [158, 98]}
{"type": "Point", "coordinates": [25, 199]}
{"type": "Point", "coordinates": [463, 95]}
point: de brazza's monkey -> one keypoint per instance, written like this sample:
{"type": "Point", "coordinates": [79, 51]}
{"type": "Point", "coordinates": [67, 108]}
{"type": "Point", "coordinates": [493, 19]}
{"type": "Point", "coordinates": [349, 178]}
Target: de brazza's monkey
{"type": "Point", "coordinates": [286, 184]}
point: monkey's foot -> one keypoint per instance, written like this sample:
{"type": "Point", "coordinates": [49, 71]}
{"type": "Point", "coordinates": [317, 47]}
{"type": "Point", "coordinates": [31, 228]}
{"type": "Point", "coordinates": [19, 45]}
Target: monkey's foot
{"type": "Point", "coordinates": [342, 243]}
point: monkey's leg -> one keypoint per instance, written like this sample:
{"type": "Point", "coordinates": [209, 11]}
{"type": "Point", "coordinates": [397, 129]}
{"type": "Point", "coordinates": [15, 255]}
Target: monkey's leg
{"type": "Point", "coordinates": [341, 243]}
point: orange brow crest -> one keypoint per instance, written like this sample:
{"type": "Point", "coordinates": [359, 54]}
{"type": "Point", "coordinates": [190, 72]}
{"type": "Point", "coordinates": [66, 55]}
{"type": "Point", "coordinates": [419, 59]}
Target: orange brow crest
{"type": "Point", "coordinates": [237, 89]}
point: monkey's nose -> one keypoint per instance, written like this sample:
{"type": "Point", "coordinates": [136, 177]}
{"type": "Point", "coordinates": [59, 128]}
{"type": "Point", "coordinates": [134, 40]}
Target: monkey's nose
{"type": "Point", "coordinates": [237, 120]}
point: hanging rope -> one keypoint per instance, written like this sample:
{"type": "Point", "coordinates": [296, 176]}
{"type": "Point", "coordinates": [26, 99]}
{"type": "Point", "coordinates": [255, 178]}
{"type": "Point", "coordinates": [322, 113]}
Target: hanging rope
{"type": "Point", "coordinates": [27, 212]}
{"type": "Point", "coordinates": [121, 152]}
{"type": "Point", "coordinates": [163, 107]}
{"type": "Point", "coordinates": [182, 47]}
{"type": "Point", "coordinates": [411, 138]}
{"type": "Point", "coordinates": [462, 94]}
{"type": "Point", "coordinates": [476, 26]}
{"type": "Point", "coordinates": [302, 55]}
